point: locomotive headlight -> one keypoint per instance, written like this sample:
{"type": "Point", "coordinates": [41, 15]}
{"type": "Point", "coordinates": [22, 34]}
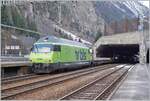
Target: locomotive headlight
{"type": "Point", "coordinates": [91, 51]}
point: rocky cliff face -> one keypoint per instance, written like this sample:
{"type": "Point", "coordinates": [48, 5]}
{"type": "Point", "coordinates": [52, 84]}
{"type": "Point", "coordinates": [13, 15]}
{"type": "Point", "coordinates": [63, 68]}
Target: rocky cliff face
{"type": "Point", "coordinates": [79, 18]}
{"type": "Point", "coordinates": [118, 10]}
{"type": "Point", "coordinates": [85, 19]}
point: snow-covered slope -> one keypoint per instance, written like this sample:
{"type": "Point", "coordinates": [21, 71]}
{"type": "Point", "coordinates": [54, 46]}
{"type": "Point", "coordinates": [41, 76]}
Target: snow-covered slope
{"type": "Point", "coordinates": [136, 7]}
{"type": "Point", "coordinates": [117, 10]}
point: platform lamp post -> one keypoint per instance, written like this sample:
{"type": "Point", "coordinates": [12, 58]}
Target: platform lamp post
{"type": "Point", "coordinates": [146, 34]}
{"type": "Point", "coordinates": [142, 39]}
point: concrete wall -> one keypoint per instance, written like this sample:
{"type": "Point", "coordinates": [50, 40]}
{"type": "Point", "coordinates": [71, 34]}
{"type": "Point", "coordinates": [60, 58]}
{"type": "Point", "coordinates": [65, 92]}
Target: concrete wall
{"type": "Point", "coordinates": [144, 46]}
{"type": "Point", "coordinates": [142, 38]}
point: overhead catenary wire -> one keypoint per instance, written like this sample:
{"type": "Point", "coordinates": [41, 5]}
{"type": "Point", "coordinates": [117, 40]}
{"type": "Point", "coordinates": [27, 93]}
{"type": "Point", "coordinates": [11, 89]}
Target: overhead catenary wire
{"type": "Point", "coordinates": [18, 28]}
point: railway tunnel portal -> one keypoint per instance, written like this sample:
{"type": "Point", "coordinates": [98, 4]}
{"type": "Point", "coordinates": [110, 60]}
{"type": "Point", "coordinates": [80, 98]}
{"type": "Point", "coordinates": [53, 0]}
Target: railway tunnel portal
{"type": "Point", "coordinates": [125, 53]}
{"type": "Point", "coordinates": [123, 47]}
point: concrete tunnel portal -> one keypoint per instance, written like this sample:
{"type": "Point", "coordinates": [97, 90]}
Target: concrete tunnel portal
{"type": "Point", "coordinates": [121, 52]}
{"type": "Point", "coordinates": [129, 47]}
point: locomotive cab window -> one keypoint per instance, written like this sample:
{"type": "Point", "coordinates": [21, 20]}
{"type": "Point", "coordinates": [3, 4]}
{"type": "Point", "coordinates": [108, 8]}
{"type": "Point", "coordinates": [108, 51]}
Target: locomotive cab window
{"type": "Point", "coordinates": [42, 48]}
{"type": "Point", "coordinates": [57, 48]}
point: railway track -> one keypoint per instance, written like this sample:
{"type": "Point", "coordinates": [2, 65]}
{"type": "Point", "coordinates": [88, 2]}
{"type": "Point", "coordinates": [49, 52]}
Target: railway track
{"type": "Point", "coordinates": [16, 78]}
{"type": "Point", "coordinates": [11, 91]}
{"type": "Point", "coordinates": [22, 80]}
{"type": "Point", "coordinates": [98, 89]}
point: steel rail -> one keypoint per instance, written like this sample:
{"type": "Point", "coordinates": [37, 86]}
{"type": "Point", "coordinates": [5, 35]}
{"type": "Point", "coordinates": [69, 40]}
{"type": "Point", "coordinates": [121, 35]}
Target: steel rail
{"type": "Point", "coordinates": [20, 79]}
{"type": "Point", "coordinates": [120, 83]}
{"type": "Point", "coordinates": [86, 86]}
{"type": "Point", "coordinates": [47, 82]}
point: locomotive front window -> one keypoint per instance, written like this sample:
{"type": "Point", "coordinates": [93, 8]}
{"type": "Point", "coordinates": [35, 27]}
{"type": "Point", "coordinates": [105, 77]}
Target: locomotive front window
{"type": "Point", "coordinates": [42, 48]}
{"type": "Point", "coordinates": [57, 48]}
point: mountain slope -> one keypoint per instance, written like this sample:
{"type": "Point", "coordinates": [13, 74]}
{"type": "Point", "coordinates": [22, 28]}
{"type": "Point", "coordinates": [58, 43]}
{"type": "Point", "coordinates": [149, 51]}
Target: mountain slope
{"type": "Point", "coordinates": [115, 10]}
{"type": "Point", "coordinates": [85, 19]}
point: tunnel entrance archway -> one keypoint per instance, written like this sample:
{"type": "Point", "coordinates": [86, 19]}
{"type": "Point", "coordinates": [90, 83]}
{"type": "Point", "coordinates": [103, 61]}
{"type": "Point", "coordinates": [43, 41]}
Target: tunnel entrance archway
{"type": "Point", "coordinates": [123, 53]}
{"type": "Point", "coordinates": [147, 56]}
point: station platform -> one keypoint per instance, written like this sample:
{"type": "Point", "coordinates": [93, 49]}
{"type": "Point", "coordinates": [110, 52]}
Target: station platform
{"type": "Point", "coordinates": [136, 86]}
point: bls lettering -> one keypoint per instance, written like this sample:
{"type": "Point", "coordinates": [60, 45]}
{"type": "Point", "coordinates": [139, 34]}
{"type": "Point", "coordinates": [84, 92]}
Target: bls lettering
{"type": "Point", "coordinates": [80, 55]}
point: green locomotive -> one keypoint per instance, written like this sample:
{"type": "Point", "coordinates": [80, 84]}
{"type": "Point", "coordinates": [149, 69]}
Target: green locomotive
{"type": "Point", "coordinates": [51, 53]}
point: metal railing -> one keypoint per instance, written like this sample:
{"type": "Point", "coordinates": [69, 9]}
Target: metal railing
{"type": "Point", "coordinates": [10, 58]}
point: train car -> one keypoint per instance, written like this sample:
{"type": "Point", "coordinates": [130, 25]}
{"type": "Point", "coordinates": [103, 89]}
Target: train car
{"type": "Point", "coordinates": [51, 53]}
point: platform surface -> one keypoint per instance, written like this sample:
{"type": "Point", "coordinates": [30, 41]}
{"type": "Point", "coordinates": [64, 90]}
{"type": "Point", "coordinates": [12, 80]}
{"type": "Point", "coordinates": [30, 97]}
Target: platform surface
{"type": "Point", "coordinates": [136, 86]}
